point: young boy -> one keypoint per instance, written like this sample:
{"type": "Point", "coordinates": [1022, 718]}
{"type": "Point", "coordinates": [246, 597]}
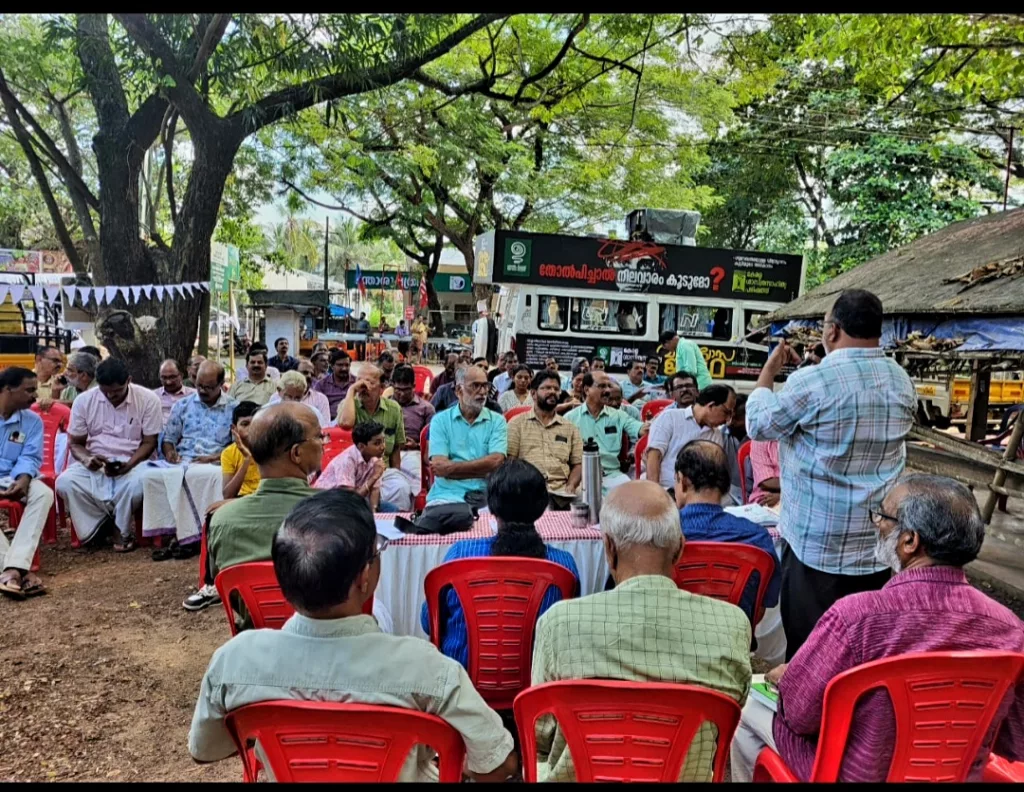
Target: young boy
{"type": "Point", "coordinates": [241, 475]}
{"type": "Point", "coordinates": [360, 467]}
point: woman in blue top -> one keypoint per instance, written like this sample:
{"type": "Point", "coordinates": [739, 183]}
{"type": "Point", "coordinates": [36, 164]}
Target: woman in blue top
{"type": "Point", "coordinates": [517, 496]}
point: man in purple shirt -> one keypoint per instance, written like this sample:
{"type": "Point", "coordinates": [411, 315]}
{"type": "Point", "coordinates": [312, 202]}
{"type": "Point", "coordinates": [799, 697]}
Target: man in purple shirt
{"type": "Point", "coordinates": [928, 528]}
{"type": "Point", "coordinates": [416, 413]}
{"type": "Point", "coordinates": [336, 384]}
{"type": "Point", "coordinates": [172, 388]}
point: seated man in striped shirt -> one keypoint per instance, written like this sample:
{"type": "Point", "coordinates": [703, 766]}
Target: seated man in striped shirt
{"type": "Point", "coordinates": [927, 529]}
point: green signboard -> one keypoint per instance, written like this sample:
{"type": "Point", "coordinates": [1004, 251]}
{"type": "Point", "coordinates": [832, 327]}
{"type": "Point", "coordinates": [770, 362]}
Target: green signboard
{"type": "Point", "coordinates": [225, 266]}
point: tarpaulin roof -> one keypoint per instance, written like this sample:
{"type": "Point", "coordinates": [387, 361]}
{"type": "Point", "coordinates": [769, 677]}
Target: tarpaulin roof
{"type": "Point", "coordinates": [300, 300]}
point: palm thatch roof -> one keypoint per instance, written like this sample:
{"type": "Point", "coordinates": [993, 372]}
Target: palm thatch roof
{"type": "Point", "coordinates": [923, 277]}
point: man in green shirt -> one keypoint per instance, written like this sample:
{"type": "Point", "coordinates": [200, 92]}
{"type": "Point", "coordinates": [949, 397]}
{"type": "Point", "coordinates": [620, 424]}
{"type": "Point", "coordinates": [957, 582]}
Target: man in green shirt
{"type": "Point", "coordinates": [81, 375]}
{"type": "Point", "coordinates": [644, 630]}
{"type": "Point", "coordinates": [286, 444]}
{"type": "Point", "coordinates": [363, 403]}
{"type": "Point", "coordinates": [690, 358]}
{"type": "Point", "coordinates": [597, 420]}
{"type": "Point", "coordinates": [257, 387]}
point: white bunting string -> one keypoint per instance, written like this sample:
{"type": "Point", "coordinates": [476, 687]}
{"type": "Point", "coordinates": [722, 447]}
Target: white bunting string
{"type": "Point", "coordinates": [103, 295]}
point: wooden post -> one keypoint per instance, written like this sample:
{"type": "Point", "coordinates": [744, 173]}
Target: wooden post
{"type": "Point", "coordinates": [1000, 475]}
{"type": "Point", "coordinates": [231, 333]}
{"type": "Point", "coordinates": [977, 411]}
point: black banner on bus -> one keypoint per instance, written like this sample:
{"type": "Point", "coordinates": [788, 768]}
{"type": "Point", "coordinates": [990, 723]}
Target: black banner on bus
{"type": "Point", "coordinates": [724, 362]}
{"type": "Point", "coordinates": [514, 257]}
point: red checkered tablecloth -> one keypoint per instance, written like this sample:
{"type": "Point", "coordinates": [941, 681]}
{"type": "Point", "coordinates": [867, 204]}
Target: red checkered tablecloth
{"type": "Point", "coordinates": [553, 527]}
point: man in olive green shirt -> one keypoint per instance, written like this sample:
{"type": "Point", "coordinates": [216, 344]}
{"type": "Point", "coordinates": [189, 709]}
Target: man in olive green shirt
{"type": "Point", "coordinates": [257, 387]}
{"type": "Point", "coordinates": [363, 403]}
{"type": "Point", "coordinates": [643, 630]}
{"type": "Point", "coordinates": [286, 445]}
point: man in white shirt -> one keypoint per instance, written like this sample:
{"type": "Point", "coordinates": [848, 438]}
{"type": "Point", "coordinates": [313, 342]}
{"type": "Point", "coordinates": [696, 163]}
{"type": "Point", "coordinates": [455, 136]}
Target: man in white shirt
{"type": "Point", "coordinates": [327, 561]}
{"type": "Point", "coordinates": [673, 429]}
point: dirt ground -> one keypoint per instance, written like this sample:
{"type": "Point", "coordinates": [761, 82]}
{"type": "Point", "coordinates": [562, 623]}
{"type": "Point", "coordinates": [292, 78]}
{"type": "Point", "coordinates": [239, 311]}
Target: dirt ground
{"type": "Point", "coordinates": [101, 674]}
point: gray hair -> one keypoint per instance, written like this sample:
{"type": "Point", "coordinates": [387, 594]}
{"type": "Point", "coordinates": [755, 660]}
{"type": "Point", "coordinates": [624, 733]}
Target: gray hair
{"type": "Point", "coordinates": [652, 522]}
{"type": "Point", "coordinates": [290, 379]}
{"type": "Point", "coordinates": [84, 363]}
{"type": "Point", "coordinates": [460, 375]}
{"type": "Point", "coordinates": [945, 516]}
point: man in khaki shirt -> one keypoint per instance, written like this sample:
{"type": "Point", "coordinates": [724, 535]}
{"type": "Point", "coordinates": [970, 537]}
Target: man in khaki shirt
{"type": "Point", "coordinates": [327, 560]}
{"type": "Point", "coordinates": [258, 387]}
{"type": "Point", "coordinates": [548, 441]}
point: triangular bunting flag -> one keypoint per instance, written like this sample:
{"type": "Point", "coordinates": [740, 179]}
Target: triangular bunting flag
{"type": "Point", "coordinates": [177, 288]}
{"type": "Point", "coordinates": [85, 294]}
{"type": "Point", "coordinates": [3, 292]}
{"type": "Point", "coordinates": [17, 292]}
{"type": "Point", "coordinates": [124, 293]}
{"type": "Point", "coordinates": [159, 292]}
{"type": "Point", "coordinates": [188, 288]}
{"type": "Point", "coordinates": [147, 290]}
{"type": "Point", "coordinates": [37, 294]}
{"type": "Point", "coordinates": [71, 292]}
{"type": "Point", "coordinates": [205, 286]}
{"type": "Point", "coordinates": [53, 294]}
{"type": "Point", "coordinates": [111, 292]}
{"type": "Point", "coordinates": [99, 295]}
{"type": "Point", "coordinates": [136, 292]}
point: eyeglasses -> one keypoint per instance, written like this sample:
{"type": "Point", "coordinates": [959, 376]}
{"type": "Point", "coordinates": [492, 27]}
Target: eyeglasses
{"type": "Point", "coordinates": [878, 516]}
{"type": "Point", "coordinates": [476, 387]}
{"type": "Point", "coordinates": [380, 544]}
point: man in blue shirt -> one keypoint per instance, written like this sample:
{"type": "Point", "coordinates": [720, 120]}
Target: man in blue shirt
{"type": "Point", "coordinates": [702, 479]}
{"type": "Point", "coordinates": [467, 442]}
{"type": "Point", "coordinates": [21, 455]}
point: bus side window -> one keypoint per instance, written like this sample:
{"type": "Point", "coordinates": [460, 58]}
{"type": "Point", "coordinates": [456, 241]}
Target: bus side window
{"type": "Point", "coordinates": [552, 313]}
{"type": "Point", "coordinates": [698, 321]}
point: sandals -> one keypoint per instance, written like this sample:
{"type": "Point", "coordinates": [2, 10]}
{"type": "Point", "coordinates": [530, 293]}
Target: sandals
{"type": "Point", "coordinates": [20, 592]}
{"type": "Point", "coordinates": [12, 591]}
{"type": "Point", "coordinates": [124, 544]}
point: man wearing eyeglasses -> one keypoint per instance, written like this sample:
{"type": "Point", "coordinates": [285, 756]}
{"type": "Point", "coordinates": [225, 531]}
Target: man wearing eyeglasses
{"type": "Point", "coordinates": [49, 362]}
{"type": "Point", "coordinates": [286, 444]}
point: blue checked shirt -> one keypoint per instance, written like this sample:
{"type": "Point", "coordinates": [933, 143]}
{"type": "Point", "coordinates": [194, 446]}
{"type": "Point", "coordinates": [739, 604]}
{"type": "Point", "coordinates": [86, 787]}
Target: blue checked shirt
{"type": "Point", "coordinates": [841, 427]}
{"type": "Point", "coordinates": [454, 638]}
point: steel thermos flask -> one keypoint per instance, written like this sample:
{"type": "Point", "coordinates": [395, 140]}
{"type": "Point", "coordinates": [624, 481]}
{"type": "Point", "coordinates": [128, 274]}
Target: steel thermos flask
{"type": "Point", "coordinates": [592, 478]}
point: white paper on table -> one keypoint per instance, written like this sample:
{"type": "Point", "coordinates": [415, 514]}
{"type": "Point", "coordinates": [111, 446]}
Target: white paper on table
{"type": "Point", "coordinates": [754, 512]}
{"type": "Point", "coordinates": [386, 527]}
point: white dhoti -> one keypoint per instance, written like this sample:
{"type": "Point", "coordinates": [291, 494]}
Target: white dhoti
{"type": "Point", "coordinates": [396, 489]}
{"type": "Point", "coordinates": [610, 482]}
{"type": "Point", "coordinates": [18, 553]}
{"type": "Point", "coordinates": [752, 735]}
{"type": "Point", "coordinates": [411, 468]}
{"type": "Point", "coordinates": [92, 496]}
{"type": "Point", "coordinates": [176, 499]}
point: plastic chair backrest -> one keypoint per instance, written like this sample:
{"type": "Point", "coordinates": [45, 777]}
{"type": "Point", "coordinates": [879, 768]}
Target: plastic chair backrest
{"type": "Point", "coordinates": [256, 583]}
{"type": "Point", "coordinates": [652, 408]}
{"type": "Point", "coordinates": [424, 379]}
{"type": "Point", "coordinates": [319, 741]}
{"type": "Point", "coordinates": [516, 411]}
{"type": "Point", "coordinates": [55, 420]}
{"type": "Point", "coordinates": [625, 731]}
{"type": "Point", "coordinates": [641, 449]}
{"type": "Point", "coordinates": [338, 441]}
{"type": "Point", "coordinates": [741, 458]}
{"type": "Point", "coordinates": [721, 570]}
{"type": "Point", "coordinates": [944, 704]}
{"type": "Point", "coordinates": [500, 597]}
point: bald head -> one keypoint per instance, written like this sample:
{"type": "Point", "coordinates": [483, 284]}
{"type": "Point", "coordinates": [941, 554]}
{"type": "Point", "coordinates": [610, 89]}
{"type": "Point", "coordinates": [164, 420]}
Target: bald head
{"type": "Point", "coordinates": [170, 376]}
{"type": "Point", "coordinates": [285, 441]}
{"type": "Point", "coordinates": [209, 381]}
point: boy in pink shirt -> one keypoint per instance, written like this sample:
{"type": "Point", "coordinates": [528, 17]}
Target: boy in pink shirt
{"type": "Point", "coordinates": [360, 467]}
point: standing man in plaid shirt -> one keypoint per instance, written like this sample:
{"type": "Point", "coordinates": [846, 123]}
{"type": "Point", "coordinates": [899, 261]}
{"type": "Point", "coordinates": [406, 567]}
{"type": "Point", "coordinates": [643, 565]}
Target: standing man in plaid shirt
{"type": "Point", "coordinates": [841, 427]}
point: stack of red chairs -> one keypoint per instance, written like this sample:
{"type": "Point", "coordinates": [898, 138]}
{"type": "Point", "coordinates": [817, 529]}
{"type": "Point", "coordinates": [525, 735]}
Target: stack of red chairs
{"type": "Point", "coordinates": [424, 379]}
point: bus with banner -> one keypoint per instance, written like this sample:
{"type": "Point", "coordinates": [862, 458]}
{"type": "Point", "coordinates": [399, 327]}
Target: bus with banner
{"type": "Point", "coordinates": [566, 297]}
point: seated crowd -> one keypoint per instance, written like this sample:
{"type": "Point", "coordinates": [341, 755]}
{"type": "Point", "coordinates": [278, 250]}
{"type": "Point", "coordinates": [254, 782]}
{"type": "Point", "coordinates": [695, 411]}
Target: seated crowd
{"type": "Point", "coordinates": [870, 567]}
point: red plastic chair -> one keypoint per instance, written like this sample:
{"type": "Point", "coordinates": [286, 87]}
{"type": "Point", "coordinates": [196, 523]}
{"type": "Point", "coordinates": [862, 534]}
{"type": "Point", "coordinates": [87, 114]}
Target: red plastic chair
{"type": "Point", "coordinates": [426, 475]}
{"type": "Point", "coordinates": [1002, 771]}
{"type": "Point", "coordinates": [650, 410]}
{"type": "Point", "coordinates": [625, 731]}
{"type": "Point", "coordinates": [424, 379]}
{"type": "Point", "coordinates": [500, 598]}
{"type": "Point", "coordinates": [256, 583]}
{"type": "Point", "coordinates": [944, 704]}
{"type": "Point", "coordinates": [516, 411]}
{"type": "Point", "coordinates": [741, 458]}
{"type": "Point", "coordinates": [55, 420]}
{"type": "Point", "coordinates": [721, 570]}
{"type": "Point", "coordinates": [338, 441]}
{"type": "Point", "coordinates": [319, 741]}
{"type": "Point", "coordinates": [641, 449]}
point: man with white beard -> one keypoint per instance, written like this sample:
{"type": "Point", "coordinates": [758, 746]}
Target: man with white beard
{"type": "Point", "coordinates": [927, 528]}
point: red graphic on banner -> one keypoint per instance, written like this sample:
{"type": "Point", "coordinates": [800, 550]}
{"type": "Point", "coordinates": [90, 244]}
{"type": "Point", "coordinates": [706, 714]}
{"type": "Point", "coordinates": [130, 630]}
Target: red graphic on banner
{"type": "Point", "coordinates": [717, 273]}
{"type": "Point", "coordinates": [617, 252]}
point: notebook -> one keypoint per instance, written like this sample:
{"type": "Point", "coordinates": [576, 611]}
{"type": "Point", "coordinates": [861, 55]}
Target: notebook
{"type": "Point", "coordinates": [764, 692]}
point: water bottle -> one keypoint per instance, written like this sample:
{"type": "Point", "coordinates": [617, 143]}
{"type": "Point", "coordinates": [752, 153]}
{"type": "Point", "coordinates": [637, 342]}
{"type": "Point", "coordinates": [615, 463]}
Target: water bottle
{"type": "Point", "coordinates": [592, 478]}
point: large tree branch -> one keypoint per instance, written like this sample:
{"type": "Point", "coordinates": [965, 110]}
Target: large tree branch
{"type": "Point", "coordinates": [288, 101]}
{"type": "Point", "coordinates": [544, 72]}
{"type": "Point", "coordinates": [214, 33]}
{"type": "Point", "coordinates": [172, 125]}
{"type": "Point", "coordinates": [25, 140]}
